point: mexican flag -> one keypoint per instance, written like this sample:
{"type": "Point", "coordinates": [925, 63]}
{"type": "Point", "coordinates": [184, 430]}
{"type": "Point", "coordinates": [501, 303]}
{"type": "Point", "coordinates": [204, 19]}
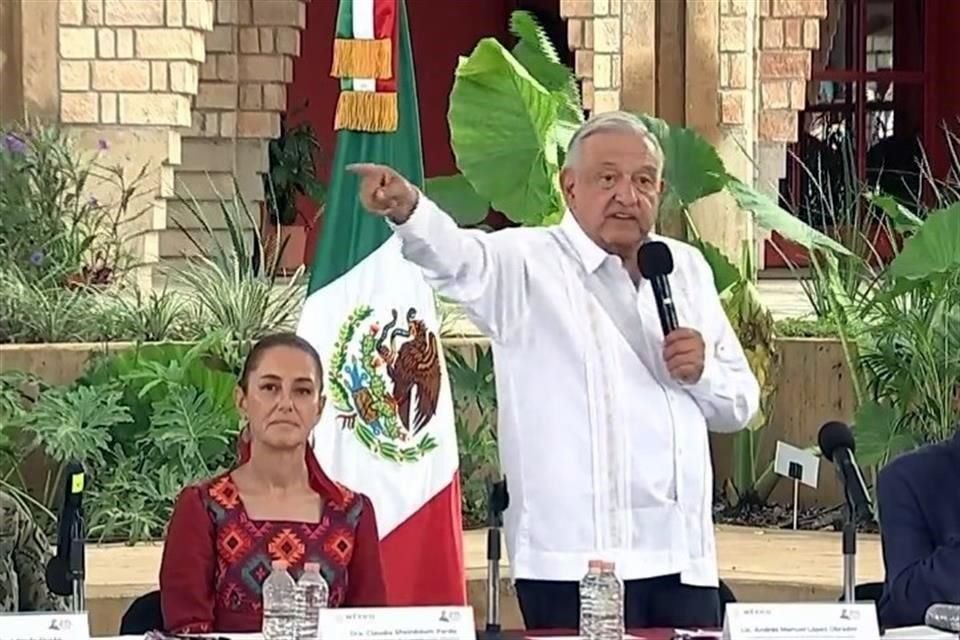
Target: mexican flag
{"type": "Point", "coordinates": [388, 428]}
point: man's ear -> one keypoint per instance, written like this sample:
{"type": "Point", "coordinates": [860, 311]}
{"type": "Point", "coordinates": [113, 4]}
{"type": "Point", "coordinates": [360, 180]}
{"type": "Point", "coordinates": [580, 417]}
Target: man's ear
{"type": "Point", "coordinates": [566, 185]}
{"type": "Point", "coordinates": [663, 187]}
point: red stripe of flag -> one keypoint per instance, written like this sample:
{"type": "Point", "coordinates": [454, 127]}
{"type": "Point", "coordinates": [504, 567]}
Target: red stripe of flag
{"type": "Point", "coordinates": [385, 26]}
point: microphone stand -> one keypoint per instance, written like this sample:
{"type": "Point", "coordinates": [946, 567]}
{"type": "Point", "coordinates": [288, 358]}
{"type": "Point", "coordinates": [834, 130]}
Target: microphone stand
{"type": "Point", "coordinates": [849, 550]}
{"type": "Point", "coordinates": [499, 500]}
{"type": "Point", "coordinates": [76, 562]}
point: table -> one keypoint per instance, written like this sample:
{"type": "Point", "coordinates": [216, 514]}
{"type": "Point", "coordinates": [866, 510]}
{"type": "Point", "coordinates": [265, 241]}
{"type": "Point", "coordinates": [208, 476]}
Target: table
{"type": "Point", "coordinates": [515, 634]}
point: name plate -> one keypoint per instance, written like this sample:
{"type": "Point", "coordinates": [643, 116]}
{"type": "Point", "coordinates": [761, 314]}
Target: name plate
{"type": "Point", "coordinates": [398, 623]}
{"type": "Point", "coordinates": [44, 626]}
{"type": "Point", "coordinates": [806, 621]}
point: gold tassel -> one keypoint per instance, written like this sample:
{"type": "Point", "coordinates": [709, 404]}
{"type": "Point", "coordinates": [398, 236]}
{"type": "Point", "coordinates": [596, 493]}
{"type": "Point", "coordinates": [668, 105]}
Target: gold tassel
{"type": "Point", "coordinates": [362, 59]}
{"type": "Point", "coordinates": [371, 111]}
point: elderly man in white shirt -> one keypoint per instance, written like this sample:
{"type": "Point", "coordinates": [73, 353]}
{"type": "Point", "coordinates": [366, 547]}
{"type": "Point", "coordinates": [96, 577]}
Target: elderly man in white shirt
{"type": "Point", "coordinates": [603, 421]}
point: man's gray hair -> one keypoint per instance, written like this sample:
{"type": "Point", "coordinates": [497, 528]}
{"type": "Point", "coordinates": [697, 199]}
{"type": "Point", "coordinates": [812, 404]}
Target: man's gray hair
{"type": "Point", "coordinates": [619, 121]}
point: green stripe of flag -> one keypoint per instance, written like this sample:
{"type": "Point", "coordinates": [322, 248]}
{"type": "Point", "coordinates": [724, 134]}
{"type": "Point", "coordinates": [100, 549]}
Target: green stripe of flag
{"type": "Point", "coordinates": [345, 19]}
{"type": "Point", "coordinates": [345, 30]}
{"type": "Point", "coordinates": [348, 233]}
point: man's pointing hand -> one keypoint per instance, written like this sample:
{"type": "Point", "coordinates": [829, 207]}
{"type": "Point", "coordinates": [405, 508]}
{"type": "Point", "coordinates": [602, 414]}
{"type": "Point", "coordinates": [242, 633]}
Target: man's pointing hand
{"type": "Point", "coordinates": [385, 192]}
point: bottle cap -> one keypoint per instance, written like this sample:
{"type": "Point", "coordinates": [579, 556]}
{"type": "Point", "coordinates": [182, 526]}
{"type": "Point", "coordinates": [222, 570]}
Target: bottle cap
{"type": "Point", "coordinates": [609, 566]}
{"type": "Point", "coordinates": [279, 564]}
{"type": "Point", "coordinates": [312, 567]}
{"type": "Point", "coordinates": [595, 565]}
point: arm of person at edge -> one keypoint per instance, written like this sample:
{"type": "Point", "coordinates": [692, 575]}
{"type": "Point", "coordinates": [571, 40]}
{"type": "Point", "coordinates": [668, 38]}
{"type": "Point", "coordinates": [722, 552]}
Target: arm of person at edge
{"type": "Point", "coordinates": [188, 567]}
{"type": "Point", "coordinates": [477, 270]}
{"type": "Point", "coordinates": [725, 389]}
{"type": "Point", "coordinates": [365, 584]}
{"type": "Point", "coordinates": [31, 551]}
{"type": "Point", "coordinates": [918, 571]}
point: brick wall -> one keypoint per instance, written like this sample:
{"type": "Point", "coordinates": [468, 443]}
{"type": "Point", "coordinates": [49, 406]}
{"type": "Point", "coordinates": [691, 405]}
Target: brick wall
{"type": "Point", "coordinates": [736, 39]}
{"type": "Point", "coordinates": [790, 30]}
{"type": "Point", "coordinates": [130, 63]}
{"type": "Point", "coordinates": [594, 33]}
{"type": "Point", "coordinates": [127, 72]}
{"type": "Point", "coordinates": [243, 87]}
{"type": "Point", "coordinates": [192, 88]}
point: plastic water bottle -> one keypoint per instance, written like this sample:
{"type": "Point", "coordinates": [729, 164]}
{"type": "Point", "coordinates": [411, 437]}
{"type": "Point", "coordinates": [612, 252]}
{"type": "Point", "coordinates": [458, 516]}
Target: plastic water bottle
{"type": "Point", "coordinates": [610, 617]}
{"type": "Point", "coordinates": [312, 595]}
{"type": "Point", "coordinates": [589, 601]}
{"type": "Point", "coordinates": [279, 604]}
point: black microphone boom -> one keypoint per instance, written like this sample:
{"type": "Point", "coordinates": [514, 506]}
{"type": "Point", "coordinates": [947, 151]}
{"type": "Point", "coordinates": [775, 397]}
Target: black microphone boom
{"type": "Point", "coordinates": [838, 446]}
{"type": "Point", "coordinates": [656, 263]}
{"type": "Point", "coordinates": [65, 571]}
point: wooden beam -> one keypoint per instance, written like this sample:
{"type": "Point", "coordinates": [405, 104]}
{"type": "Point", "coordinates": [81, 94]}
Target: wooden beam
{"type": "Point", "coordinates": [702, 68]}
{"type": "Point", "coordinates": [671, 62]}
{"type": "Point", "coordinates": [11, 61]}
{"type": "Point", "coordinates": [40, 29]}
{"type": "Point", "coordinates": [639, 64]}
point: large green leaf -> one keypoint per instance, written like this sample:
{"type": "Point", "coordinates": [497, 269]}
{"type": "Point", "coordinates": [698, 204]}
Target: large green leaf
{"type": "Point", "coordinates": [903, 219]}
{"type": "Point", "coordinates": [725, 274]}
{"type": "Point", "coordinates": [935, 248]}
{"type": "Point", "coordinates": [772, 217]}
{"type": "Point", "coordinates": [877, 436]}
{"type": "Point", "coordinates": [691, 167]}
{"type": "Point", "coordinates": [537, 54]}
{"type": "Point", "coordinates": [502, 130]}
{"type": "Point", "coordinates": [455, 195]}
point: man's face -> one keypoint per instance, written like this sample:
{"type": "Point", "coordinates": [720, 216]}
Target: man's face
{"type": "Point", "coordinates": [614, 190]}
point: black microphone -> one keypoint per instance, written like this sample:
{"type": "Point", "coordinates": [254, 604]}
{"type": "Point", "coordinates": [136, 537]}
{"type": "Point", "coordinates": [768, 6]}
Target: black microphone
{"type": "Point", "coordinates": [656, 263]}
{"type": "Point", "coordinates": [943, 617]}
{"type": "Point", "coordinates": [67, 567]}
{"type": "Point", "coordinates": [837, 445]}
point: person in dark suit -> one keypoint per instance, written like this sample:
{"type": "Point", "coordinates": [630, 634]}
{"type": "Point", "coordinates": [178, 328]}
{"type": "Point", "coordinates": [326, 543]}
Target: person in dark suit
{"type": "Point", "coordinates": [918, 496]}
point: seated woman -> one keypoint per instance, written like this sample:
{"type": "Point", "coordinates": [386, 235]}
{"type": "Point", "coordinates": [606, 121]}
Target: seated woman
{"type": "Point", "coordinates": [276, 505]}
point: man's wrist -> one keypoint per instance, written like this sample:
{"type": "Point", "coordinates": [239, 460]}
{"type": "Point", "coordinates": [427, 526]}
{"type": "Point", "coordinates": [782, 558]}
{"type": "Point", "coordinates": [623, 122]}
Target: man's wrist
{"type": "Point", "coordinates": [402, 216]}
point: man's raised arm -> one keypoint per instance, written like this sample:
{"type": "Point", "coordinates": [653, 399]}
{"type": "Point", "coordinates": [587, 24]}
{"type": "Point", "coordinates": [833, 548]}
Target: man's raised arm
{"type": "Point", "coordinates": [474, 269]}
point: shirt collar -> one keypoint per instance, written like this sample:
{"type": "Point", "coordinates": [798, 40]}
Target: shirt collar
{"type": "Point", "coordinates": [591, 255]}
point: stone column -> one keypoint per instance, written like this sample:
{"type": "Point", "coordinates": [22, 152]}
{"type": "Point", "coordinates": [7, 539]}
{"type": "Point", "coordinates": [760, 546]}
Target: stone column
{"type": "Point", "coordinates": [790, 30]}
{"type": "Point", "coordinates": [28, 60]}
{"type": "Point", "coordinates": [719, 40]}
{"type": "Point", "coordinates": [243, 90]}
{"type": "Point", "coordinates": [127, 72]}
{"type": "Point", "coordinates": [594, 30]}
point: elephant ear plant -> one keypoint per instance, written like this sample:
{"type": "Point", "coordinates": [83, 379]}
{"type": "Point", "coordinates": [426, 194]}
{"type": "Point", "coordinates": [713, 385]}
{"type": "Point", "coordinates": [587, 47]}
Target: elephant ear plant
{"type": "Point", "coordinates": [906, 336]}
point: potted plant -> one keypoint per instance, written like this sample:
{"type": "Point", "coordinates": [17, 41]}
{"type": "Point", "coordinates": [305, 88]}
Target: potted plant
{"type": "Point", "coordinates": [294, 195]}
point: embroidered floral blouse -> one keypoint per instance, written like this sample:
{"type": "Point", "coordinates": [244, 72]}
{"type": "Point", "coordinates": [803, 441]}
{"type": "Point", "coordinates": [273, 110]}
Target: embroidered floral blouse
{"type": "Point", "coordinates": [216, 558]}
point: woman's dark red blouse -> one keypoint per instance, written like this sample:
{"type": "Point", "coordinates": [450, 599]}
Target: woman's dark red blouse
{"type": "Point", "coordinates": [216, 558]}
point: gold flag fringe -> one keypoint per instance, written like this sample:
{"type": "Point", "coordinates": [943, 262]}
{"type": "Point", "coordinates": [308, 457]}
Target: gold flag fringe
{"type": "Point", "coordinates": [371, 111]}
{"type": "Point", "coordinates": [362, 58]}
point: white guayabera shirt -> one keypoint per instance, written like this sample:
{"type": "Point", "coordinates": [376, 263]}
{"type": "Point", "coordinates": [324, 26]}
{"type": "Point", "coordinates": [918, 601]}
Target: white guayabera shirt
{"type": "Point", "coordinates": [604, 456]}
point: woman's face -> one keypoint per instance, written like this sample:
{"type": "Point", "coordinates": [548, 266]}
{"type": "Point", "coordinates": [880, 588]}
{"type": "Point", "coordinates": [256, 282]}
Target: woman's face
{"type": "Point", "coordinates": [282, 401]}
